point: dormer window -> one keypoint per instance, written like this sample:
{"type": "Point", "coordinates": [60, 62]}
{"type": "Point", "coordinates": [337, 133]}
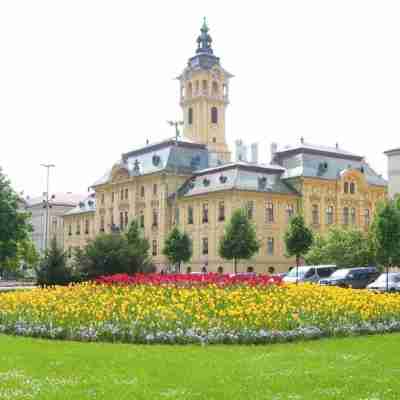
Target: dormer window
{"type": "Point", "coordinates": [223, 178]}
{"type": "Point", "coordinates": [156, 160]}
{"type": "Point", "coordinates": [206, 182]}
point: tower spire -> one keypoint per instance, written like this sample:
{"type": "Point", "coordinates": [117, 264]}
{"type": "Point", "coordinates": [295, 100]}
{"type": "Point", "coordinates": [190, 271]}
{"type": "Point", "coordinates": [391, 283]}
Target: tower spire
{"type": "Point", "coordinates": [204, 40]}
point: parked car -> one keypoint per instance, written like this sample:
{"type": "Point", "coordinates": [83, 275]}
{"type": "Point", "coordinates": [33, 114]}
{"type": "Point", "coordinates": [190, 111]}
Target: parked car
{"type": "Point", "coordinates": [380, 284]}
{"type": "Point", "coordinates": [357, 278]}
{"type": "Point", "coordinates": [310, 273]}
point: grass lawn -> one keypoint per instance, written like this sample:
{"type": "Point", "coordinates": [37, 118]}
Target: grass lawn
{"type": "Point", "coordinates": [362, 368]}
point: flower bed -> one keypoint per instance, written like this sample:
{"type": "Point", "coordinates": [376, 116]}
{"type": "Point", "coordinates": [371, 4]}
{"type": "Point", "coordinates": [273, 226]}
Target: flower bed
{"type": "Point", "coordinates": [164, 312]}
{"type": "Point", "coordinates": [189, 279]}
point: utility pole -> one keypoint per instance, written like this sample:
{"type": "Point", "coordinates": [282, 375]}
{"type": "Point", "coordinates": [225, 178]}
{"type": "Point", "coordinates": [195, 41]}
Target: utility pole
{"type": "Point", "coordinates": [46, 203]}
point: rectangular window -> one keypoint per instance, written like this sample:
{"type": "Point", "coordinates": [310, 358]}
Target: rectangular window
{"type": "Point", "coordinates": [126, 194]}
{"type": "Point", "coordinates": [122, 194]}
{"type": "Point", "coordinates": [155, 218]}
{"type": "Point", "coordinates": [315, 214]}
{"type": "Point", "coordinates": [78, 228]}
{"type": "Point", "coordinates": [121, 221]}
{"type": "Point", "coordinates": [346, 216]}
{"type": "Point", "coordinates": [141, 218]}
{"type": "Point", "coordinates": [102, 198]}
{"type": "Point", "coordinates": [289, 211]}
{"type": "Point", "coordinates": [112, 197]}
{"type": "Point", "coordinates": [221, 211]}
{"type": "Point", "coordinates": [142, 191]}
{"type": "Point", "coordinates": [270, 246]}
{"type": "Point", "coordinates": [250, 209]}
{"type": "Point", "coordinates": [205, 213]}
{"type": "Point", "coordinates": [205, 246]}
{"type": "Point", "coordinates": [154, 248]}
{"type": "Point", "coordinates": [176, 216]}
{"type": "Point", "coordinates": [87, 225]}
{"type": "Point", "coordinates": [190, 215]}
{"type": "Point", "coordinates": [155, 189]}
{"type": "Point", "coordinates": [69, 230]}
{"type": "Point", "coordinates": [126, 218]}
{"type": "Point", "coordinates": [367, 218]}
{"type": "Point", "coordinates": [329, 215]}
{"type": "Point", "coordinates": [346, 187]}
{"type": "Point", "coordinates": [101, 224]}
{"type": "Point", "coordinates": [269, 212]}
{"type": "Point", "coordinates": [112, 221]}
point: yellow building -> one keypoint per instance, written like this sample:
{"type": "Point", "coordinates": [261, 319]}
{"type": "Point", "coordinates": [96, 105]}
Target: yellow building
{"type": "Point", "coordinates": [192, 182]}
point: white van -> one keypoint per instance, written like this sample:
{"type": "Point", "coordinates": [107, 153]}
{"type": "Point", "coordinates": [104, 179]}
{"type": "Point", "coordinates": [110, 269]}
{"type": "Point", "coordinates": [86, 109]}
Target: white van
{"type": "Point", "coordinates": [309, 273]}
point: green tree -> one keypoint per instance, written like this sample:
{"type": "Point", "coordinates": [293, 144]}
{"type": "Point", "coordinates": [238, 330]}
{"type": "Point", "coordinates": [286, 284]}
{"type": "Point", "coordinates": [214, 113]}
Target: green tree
{"type": "Point", "coordinates": [386, 228]}
{"type": "Point", "coordinates": [138, 249]}
{"type": "Point", "coordinates": [239, 241]}
{"type": "Point", "coordinates": [53, 269]}
{"type": "Point", "coordinates": [26, 257]}
{"type": "Point", "coordinates": [178, 247]}
{"type": "Point", "coordinates": [343, 247]}
{"type": "Point", "coordinates": [316, 255]}
{"type": "Point", "coordinates": [114, 253]}
{"type": "Point", "coordinates": [298, 239]}
{"type": "Point", "coordinates": [14, 226]}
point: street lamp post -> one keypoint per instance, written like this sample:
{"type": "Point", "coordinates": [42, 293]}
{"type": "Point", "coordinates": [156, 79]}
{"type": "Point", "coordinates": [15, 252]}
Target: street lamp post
{"type": "Point", "coordinates": [46, 203]}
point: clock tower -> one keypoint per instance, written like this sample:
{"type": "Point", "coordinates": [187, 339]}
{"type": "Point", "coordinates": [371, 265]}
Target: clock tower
{"type": "Point", "coordinates": [204, 97]}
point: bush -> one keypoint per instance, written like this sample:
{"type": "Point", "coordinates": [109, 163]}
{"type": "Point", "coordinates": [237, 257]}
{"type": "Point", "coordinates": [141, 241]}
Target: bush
{"type": "Point", "coordinates": [114, 253]}
{"type": "Point", "coordinates": [53, 269]}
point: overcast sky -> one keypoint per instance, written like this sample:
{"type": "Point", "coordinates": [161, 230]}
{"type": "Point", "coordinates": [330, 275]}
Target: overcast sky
{"type": "Point", "coordinates": [83, 81]}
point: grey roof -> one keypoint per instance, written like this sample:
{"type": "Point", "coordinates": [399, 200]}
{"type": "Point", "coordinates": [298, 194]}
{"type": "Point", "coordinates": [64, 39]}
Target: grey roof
{"type": "Point", "coordinates": [57, 199]}
{"type": "Point", "coordinates": [315, 149]}
{"type": "Point", "coordinates": [236, 176]}
{"type": "Point", "coordinates": [392, 152]}
{"type": "Point", "coordinates": [327, 167]}
{"type": "Point", "coordinates": [182, 157]}
{"type": "Point", "coordinates": [85, 206]}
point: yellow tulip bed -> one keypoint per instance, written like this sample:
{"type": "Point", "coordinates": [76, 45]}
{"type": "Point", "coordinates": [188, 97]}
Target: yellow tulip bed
{"type": "Point", "coordinates": [211, 313]}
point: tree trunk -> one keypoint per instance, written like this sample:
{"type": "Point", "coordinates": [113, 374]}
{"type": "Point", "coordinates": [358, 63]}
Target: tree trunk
{"type": "Point", "coordinates": [234, 265]}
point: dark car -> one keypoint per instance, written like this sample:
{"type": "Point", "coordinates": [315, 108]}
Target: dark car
{"type": "Point", "coordinates": [357, 278]}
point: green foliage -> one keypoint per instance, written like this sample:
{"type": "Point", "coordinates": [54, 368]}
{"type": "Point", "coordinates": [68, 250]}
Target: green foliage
{"type": "Point", "coordinates": [298, 238]}
{"type": "Point", "coordinates": [114, 253]}
{"type": "Point", "coordinates": [53, 269]}
{"type": "Point", "coordinates": [26, 256]}
{"type": "Point", "coordinates": [138, 249]}
{"type": "Point", "coordinates": [343, 247]}
{"type": "Point", "coordinates": [386, 228]}
{"type": "Point", "coordinates": [316, 255]}
{"type": "Point", "coordinates": [178, 247]}
{"type": "Point", "coordinates": [14, 226]}
{"type": "Point", "coordinates": [239, 241]}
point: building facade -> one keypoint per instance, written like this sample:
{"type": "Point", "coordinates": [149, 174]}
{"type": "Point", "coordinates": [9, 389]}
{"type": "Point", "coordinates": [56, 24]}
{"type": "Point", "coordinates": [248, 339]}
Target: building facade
{"type": "Point", "coordinates": [393, 171]}
{"type": "Point", "coordinates": [59, 204]}
{"type": "Point", "coordinates": [191, 182]}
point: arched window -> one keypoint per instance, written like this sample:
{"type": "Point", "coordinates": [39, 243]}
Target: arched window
{"type": "Point", "coordinates": [352, 188]}
{"type": "Point", "coordinates": [204, 86]}
{"type": "Point", "coordinates": [190, 116]}
{"type": "Point", "coordinates": [190, 90]}
{"type": "Point", "coordinates": [215, 89]}
{"type": "Point", "coordinates": [346, 187]}
{"type": "Point", "coordinates": [214, 115]}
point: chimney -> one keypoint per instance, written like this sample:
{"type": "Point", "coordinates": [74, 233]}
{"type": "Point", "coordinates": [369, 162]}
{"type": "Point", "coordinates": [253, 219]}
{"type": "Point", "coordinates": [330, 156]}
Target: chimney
{"type": "Point", "coordinates": [254, 153]}
{"type": "Point", "coordinates": [274, 149]}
